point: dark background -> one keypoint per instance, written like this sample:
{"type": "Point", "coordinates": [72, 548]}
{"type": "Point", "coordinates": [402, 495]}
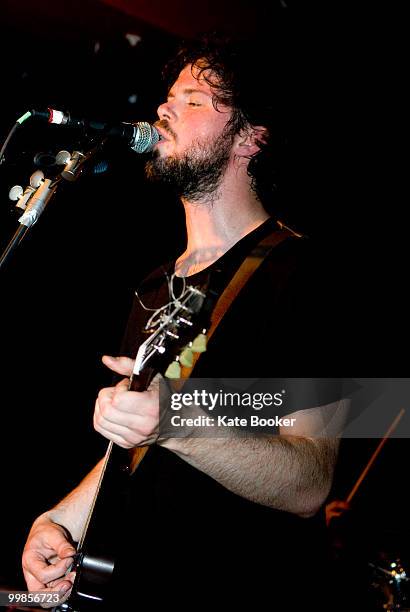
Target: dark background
{"type": "Point", "coordinates": [66, 293]}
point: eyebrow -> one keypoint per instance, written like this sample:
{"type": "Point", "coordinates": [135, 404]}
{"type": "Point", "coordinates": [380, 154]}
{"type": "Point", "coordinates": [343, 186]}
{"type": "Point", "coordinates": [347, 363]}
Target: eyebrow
{"type": "Point", "coordinates": [190, 90]}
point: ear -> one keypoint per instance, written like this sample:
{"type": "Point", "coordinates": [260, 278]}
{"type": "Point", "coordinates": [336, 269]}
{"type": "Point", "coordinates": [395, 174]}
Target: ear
{"type": "Point", "coordinates": [248, 140]}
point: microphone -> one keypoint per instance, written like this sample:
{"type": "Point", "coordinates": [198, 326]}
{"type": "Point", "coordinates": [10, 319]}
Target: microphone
{"type": "Point", "coordinates": [140, 136]}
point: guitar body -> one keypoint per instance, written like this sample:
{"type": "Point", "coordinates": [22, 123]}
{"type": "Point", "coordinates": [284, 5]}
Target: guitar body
{"type": "Point", "coordinates": [95, 559]}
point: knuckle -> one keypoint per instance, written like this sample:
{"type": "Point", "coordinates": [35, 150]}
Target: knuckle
{"type": "Point", "coordinates": [105, 408]}
{"type": "Point", "coordinates": [128, 440]}
{"type": "Point", "coordinates": [116, 400]}
{"type": "Point", "coordinates": [102, 394]}
{"type": "Point", "coordinates": [42, 577]}
{"type": "Point", "coordinates": [105, 394]}
{"type": "Point", "coordinates": [146, 429]}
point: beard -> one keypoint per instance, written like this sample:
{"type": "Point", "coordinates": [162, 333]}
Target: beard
{"type": "Point", "coordinates": [195, 175]}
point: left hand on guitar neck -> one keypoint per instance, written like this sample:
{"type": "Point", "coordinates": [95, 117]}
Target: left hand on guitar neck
{"type": "Point", "coordinates": [128, 418]}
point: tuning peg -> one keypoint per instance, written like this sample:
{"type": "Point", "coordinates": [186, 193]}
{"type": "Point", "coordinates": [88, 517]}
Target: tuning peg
{"type": "Point", "coordinates": [15, 193]}
{"type": "Point", "coordinates": [62, 158]}
{"type": "Point", "coordinates": [199, 344]}
{"type": "Point", "coordinates": [173, 370]}
{"type": "Point", "coordinates": [186, 358]}
{"type": "Point", "coordinates": [184, 321]}
{"type": "Point", "coordinates": [36, 179]}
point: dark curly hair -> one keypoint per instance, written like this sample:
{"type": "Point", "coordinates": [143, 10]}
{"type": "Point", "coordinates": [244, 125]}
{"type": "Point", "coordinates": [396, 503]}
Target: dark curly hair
{"type": "Point", "coordinates": [248, 78]}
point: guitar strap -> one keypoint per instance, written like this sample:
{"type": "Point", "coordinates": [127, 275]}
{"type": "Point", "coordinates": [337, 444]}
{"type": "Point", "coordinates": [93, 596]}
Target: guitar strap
{"type": "Point", "coordinates": [248, 267]}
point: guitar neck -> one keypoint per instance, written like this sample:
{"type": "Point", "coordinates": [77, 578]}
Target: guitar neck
{"type": "Point", "coordinates": [116, 458]}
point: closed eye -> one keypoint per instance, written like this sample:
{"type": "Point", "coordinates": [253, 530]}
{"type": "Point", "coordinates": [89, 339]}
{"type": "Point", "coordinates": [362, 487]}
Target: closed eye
{"type": "Point", "coordinates": [194, 104]}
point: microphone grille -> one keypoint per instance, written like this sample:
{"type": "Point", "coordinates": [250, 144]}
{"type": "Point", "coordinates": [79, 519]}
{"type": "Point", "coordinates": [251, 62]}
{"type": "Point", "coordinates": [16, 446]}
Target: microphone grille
{"type": "Point", "coordinates": [145, 137]}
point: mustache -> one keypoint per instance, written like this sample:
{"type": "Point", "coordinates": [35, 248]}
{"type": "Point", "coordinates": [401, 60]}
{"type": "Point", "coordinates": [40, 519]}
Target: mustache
{"type": "Point", "coordinates": [164, 125]}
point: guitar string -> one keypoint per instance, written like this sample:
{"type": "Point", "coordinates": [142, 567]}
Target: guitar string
{"type": "Point", "coordinates": [155, 318]}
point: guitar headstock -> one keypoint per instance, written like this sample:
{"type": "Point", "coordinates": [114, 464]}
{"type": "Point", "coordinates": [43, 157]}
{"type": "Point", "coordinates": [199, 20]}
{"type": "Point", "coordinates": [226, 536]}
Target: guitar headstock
{"type": "Point", "coordinates": [179, 330]}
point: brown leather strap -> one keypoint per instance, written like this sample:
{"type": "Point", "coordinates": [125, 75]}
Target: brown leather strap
{"type": "Point", "coordinates": [239, 280]}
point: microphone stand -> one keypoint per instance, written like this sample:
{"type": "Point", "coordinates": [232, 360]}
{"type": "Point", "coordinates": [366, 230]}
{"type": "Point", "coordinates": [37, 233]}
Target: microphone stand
{"type": "Point", "coordinates": [40, 197]}
{"type": "Point", "coordinates": [35, 208]}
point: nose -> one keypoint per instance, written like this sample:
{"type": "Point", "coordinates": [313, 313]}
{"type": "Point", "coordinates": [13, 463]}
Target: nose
{"type": "Point", "coordinates": [164, 111]}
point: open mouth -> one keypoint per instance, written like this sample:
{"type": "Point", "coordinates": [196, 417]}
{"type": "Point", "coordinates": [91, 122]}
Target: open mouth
{"type": "Point", "coordinates": [163, 135]}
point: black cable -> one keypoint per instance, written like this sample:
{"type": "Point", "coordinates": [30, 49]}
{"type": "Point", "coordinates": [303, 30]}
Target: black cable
{"type": "Point", "coordinates": [10, 134]}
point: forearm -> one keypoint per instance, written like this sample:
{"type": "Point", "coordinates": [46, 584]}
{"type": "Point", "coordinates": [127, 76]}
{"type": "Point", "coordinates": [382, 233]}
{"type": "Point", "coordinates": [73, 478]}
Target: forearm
{"type": "Point", "coordinates": [72, 511]}
{"type": "Point", "coordinates": [289, 473]}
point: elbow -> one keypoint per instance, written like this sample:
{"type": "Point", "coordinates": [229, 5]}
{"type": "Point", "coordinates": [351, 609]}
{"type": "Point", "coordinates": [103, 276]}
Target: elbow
{"type": "Point", "coordinates": [308, 513]}
{"type": "Point", "coordinates": [313, 497]}
{"type": "Point", "coordinates": [313, 501]}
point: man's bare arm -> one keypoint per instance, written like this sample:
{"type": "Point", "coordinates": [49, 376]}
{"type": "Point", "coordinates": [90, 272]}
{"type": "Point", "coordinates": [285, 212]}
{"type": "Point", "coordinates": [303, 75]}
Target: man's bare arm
{"type": "Point", "coordinates": [72, 511]}
{"type": "Point", "coordinates": [291, 472]}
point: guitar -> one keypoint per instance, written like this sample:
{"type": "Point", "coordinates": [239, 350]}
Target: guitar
{"type": "Point", "coordinates": [176, 332]}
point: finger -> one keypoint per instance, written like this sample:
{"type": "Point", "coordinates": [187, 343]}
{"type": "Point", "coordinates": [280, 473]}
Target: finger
{"type": "Point", "coordinates": [120, 397]}
{"type": "Point", "coordinates": [65, 550]}
{"type": "Point", "coordinates": [106, 425]}
{"type": "Point", "coordinates": [32, 583]}
{"type": "Point", "coordinates": [121, 365]}
{"type": "Point", "coordinates": [117, 420]}
{"type": "Point", "coordinates": [68, 577]}
{"type": "Point", "coordinates": [135, 402]}
{"type": "Point", "coordinates": [36, 565]}
{"type": "Point", "coordinates": [129, 439]}
{"type": "Point", "coordinates": [125, 436]}
{"type": "Point", "coordinates": [122, 387]}
{"type": "Point", "coordinates": [54, 542]}
{"type": "Point", "coordinates": [63, 589]}
{"type": "Point", "coordinates": [106, 395]}
{"type": "Point", "coordinates": [119, 440]}
{"type": "Point", "coordinates": [36, 585]}
{"type": "Point", "coordinates": [127, 414]}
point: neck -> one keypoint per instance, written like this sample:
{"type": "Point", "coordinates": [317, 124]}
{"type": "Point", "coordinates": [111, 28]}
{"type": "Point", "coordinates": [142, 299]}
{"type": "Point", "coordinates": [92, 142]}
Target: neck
{"type": "Point", "coordinates": [215, 224]}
